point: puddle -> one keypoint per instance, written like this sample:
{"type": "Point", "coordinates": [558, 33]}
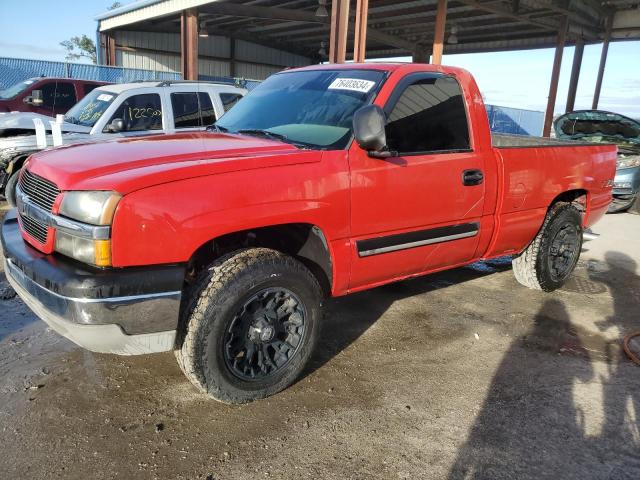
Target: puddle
{"type": "Point", "coordinates": [491, 266]}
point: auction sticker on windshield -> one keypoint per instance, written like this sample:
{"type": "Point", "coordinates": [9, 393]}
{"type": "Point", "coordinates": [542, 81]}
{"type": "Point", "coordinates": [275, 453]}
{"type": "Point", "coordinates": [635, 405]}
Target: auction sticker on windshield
{"type": "Point", "coordinates": [353, 84]}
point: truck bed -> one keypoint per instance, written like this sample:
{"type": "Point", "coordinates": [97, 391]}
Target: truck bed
{"type": "Point", "coordinates": [505, 140]}
{"type": "Point", "coordinates": [534, 174]}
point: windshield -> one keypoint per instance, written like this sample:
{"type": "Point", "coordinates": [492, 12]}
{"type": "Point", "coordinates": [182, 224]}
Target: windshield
{"type": "Point", "coordinates": [310, 108]}
{"type": "Point", "coordinates": [89, 110]}
{"type": "Point", "coordinates": [14, 90]}
{"type": "Point", "coordinates": [599, 127]}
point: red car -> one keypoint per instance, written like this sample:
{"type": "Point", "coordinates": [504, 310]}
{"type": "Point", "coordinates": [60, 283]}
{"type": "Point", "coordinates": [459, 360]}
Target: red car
{"type": "Point", "coordinates": [45, 95]}
{"type": "Point", "coordinates": [323, 181]}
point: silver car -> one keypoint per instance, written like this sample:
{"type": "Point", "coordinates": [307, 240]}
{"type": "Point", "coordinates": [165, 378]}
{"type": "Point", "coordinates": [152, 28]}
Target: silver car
{"type": "Point", "coordinates": [606, 127]}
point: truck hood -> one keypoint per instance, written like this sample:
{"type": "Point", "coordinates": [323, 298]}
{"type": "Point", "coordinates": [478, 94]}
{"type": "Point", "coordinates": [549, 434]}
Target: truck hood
{"type": "Point", "coordinates": [599, 126]}
{"type": "Point", "coordinates": [12, 146]}
{"type": "Point", "coordinates": [10, 122]}
{"type": "Point", "coordinates": [128, 164]}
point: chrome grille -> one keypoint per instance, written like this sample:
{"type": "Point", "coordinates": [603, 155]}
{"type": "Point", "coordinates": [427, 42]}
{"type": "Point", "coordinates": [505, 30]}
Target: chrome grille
{"type": "Point", "coordinates": [40, 191]}
{"type": "Point", "coordinates": [34, 228]}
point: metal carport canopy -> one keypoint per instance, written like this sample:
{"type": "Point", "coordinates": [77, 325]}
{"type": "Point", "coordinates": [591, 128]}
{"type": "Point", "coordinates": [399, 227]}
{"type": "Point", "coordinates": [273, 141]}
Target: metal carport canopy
{"type": "Point", "coordinates": [395, 27]}
{"type": "Point", "coordinates": [387, 28]}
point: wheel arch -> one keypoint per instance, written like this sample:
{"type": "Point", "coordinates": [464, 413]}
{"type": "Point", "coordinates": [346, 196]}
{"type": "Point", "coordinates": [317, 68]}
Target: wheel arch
{"type": "Point", "coordinates": [304, 241]}
{"type": "Point", "coordinates": [18, 162]}
{"type": "Point", "coordinates": [579, 197]}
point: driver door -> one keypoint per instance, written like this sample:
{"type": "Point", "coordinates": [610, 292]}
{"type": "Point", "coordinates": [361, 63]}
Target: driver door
{"type": "Point", "coordinates": [419, 210]}
{"type": "Point", "coordinates": [141, 113]}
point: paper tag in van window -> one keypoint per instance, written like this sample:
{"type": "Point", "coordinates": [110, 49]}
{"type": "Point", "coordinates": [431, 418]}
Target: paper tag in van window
{"type": "Point", "coordinates": [103, 97]}
{"type": "Point", "coordinates": [353, 84]}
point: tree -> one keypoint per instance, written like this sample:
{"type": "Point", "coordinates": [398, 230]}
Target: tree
{"type": "Point", "coordinates": [83, 47]}
{"type": "Point", "coordinates": [80, 47]}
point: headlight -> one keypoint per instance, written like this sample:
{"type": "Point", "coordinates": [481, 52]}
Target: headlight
{"type": "Point", "coordinates": [629, 162]}
{"type": "Point", "coordinates": [95, 208]}
{"type": "Point", "coordinates": [92, 208]}
{"type": "Point", "coordinates": [86, 250]}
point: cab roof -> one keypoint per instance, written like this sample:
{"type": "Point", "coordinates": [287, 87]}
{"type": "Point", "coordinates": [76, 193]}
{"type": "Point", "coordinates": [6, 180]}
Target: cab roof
{"type": "Point", "coordinates": [384, 66]}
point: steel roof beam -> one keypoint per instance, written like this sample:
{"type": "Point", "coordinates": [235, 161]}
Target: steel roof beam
{"type": "Point", "coordinates": [275, 13]}
{"type": "Point", "coordinates": [522, 17]}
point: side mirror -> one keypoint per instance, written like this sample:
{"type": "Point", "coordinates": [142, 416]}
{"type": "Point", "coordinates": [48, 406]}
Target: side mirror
{"type": "Point", "coordinates": [35, 98]}
{"type": "Point", "coordinates": [116, 125]}
{"type": "Point", "coordinates": [368, 128]}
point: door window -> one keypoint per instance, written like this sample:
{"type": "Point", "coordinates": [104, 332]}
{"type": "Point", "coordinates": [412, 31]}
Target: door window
{"type": "Point", "coordinates": [65, 96]}
{"type": "Point", "coordinates": [206, 108]}
{"type": "Point", "coordinates": [140, 112]}
{"type": "Point", "coordinates": [429, 116]}
{"type": "Point", "coordinates": [229, 100]}
{"type": "Point", "coordinates": [192, 109]}
{"type": "Point", "coordinates": [48, 94]}
{"type": "Point", "coordinates": [185, 110]}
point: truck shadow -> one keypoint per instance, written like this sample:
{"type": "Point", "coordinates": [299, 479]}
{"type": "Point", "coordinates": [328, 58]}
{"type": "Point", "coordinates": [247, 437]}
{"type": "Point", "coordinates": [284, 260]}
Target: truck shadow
{"type": "Point", "coordinates": [561, 404]}
{"type": "Point", "coordinates": [348, 318]}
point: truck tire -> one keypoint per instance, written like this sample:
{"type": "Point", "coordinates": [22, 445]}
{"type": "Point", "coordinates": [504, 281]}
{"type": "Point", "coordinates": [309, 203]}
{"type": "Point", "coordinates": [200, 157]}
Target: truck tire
{"type": "Point", "coordinates": [10, 189]}
{"type": "Point", "coordinates": [250, 325]}
{"type": "Point", "coordinates": [552, 256]}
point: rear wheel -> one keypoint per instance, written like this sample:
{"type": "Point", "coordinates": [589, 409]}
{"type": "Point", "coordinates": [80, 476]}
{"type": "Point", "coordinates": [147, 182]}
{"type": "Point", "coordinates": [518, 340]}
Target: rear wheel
{"type": "Point", "coordinates": [10, 189]}
{"type": "Point", "coordinates": [550, 259]}
{"type": "Point", "coordinates": [251, 325]}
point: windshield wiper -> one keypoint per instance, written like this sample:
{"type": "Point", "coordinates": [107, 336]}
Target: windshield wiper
{"type": "Point", "coordinates": [216, 128]}
{"type": "Point", "coordinates": [73, 120]}
{"type": "Point", "coordinates": [264, 133]}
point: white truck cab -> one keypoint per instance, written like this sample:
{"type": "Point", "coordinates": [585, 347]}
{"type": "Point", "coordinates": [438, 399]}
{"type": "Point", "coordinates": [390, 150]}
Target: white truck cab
{"type": "Point", "coordinates": [118, 110]}
{"type": "Point", "coordinates": [168, 106]}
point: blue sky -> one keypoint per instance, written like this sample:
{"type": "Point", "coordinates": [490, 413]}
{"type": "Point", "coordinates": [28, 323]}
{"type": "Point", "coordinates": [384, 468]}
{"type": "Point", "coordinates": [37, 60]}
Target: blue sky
{"type": "Point", "coordinates": [34, 29]}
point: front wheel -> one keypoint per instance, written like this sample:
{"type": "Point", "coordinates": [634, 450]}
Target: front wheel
{"type": "Point", "coordinates": [550, 259]}
{"type": "Point", "coordinates": [251, 325]}
{"type": "Point", "coordinates": [622, 204]}
{"type": "Point", "coordinates": [10, 189]}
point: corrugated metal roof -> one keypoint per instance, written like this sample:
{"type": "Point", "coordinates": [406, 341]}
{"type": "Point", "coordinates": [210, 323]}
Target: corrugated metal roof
{"type": "Point", "coordinates": [145, 10]}
{"type": "Point", "coordinates": [396, 27]}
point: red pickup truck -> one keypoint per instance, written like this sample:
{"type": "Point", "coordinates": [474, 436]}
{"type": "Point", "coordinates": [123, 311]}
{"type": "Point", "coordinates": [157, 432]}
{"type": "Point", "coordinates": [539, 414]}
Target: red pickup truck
{"type": "Point", "coordinates": [325, 180]}
{"type": "Point", "coordinates": [45, 95]}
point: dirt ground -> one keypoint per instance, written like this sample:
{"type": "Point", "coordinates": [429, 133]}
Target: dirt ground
{"type": "Point", "coordinates": [463, 374]}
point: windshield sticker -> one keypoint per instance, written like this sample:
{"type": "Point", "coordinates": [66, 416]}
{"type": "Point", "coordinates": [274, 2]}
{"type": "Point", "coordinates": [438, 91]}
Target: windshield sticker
{"type": "Point", "coordinates": [353, 84]}
{"type": "Point", "coordinates": [103, 97]}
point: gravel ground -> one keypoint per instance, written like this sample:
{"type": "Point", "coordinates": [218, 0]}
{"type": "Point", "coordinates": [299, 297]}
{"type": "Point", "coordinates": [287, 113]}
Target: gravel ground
{"type": "Point", "coordinates": [463, 374]}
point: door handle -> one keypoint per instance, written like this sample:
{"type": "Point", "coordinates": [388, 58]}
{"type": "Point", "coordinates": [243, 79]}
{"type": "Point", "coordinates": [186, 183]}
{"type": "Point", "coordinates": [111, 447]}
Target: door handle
{"type": "Point", "coordinates": [472, 177]}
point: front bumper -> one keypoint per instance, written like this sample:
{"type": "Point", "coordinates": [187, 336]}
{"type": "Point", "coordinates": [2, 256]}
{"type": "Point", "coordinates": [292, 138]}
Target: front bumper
{"type": "Point", "coordinates": [4, 177]}
{"type": "Point", "coordinates": [627, 182]}
{"type": "Point", "coordinates": [123, 311]}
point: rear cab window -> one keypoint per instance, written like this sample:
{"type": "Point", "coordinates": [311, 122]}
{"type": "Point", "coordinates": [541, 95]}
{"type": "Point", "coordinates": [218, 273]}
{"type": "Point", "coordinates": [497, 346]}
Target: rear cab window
{"type": "Point", "coordinates": [89, 87]}
{"type": "Point", "coordinates": [428, 116]}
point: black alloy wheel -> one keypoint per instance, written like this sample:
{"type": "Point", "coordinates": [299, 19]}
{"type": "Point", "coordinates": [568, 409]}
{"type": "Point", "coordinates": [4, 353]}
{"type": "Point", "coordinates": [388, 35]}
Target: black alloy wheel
{"type": "Point", "coordinates": [565, 248]}
{"type": "Point", "coordinates": [265, 334]}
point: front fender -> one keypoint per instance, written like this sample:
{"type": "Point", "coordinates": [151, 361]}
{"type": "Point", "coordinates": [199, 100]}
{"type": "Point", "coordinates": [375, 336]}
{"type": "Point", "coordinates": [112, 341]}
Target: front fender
{"type": "Point", "coordinates": [167, 223]}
